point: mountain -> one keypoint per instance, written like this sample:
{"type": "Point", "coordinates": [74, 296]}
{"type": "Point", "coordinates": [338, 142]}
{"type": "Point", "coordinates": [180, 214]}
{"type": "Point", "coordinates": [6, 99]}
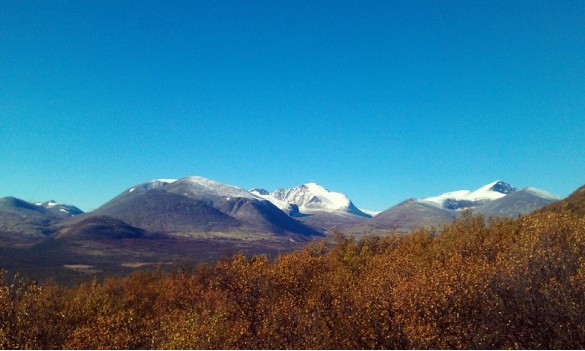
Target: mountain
{"type": "Point", "coordinates": [25, 223]}
{"type": "Point", "coordinates": [160, 211]}
{"type": "Point", "coordinates": [465, 199]}
{"type": "Point", "coordinates": [494, 199]}
{"type": "Point", "coordinates": [60, 209]}
{"type": "Point", "coordinates": [315, 206]}
{"type": "Point", "coordinates": [289, 208]}
{"type": "Point", "coordinates": [197, 204]}
{"type": "Point", "coordinates": [195, 218]}
{"type": "Point", "coordinates": [49, 208]}
{"type": "Point", "coordinates": [575, 203]}
{"type": "Point", "coordinates": [312, 197]}
{"type": "Point", "coordinates": [403, 218]}
{"type": "Point", "coordinates": [517, 203]}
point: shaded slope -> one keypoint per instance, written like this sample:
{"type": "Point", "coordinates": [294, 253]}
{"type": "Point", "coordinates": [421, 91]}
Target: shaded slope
{"type": "Point", "coordinates": [23, 223]}
{"type": "Point", "coordinates": [404, 217]}
{"type": "Point", "coordinates": [12, 204]}
{"type": "Point", "coordinates": [60, 210]}
{"type": "Point", "coordinates": [101, 227]}
{"type": "Point", "coordinates": [159, 211]}
{"type": "Point", "coordinates": [264, 215]}
{"type": "Point", "coordinates": [516, 203]}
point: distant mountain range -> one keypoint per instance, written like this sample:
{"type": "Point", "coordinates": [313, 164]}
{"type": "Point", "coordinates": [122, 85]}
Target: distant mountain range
{"type": "Point", "coordinates": [171, 218]}
{"type": "Point", "coordinates": [194, 205]}
{"type": "Point", "coordinates": [494, 199]}
{"type": "Point", "coordinates": [25, 223]}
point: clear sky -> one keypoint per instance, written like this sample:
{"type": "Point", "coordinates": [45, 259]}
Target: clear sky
{"type": "Point", "coordinates": [381, 100]}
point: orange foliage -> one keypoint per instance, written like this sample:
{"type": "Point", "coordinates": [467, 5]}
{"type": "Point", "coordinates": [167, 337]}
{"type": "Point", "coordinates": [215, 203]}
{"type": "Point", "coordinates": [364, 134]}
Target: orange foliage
{"type": "Point", "coordinates": [510, 284]}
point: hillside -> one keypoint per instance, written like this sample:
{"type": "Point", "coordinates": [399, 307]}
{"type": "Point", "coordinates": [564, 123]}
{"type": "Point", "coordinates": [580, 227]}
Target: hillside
{"type": "Point", "coordinates": [517, 203]}
{"type": "Point", "coordinates": [574, 203]}
{"type": "Point", "coordinates": [403, 218]}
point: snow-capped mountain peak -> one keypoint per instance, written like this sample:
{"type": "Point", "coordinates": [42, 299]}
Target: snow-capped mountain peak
{"type": "Point", "coordinates": [460, 199]}
{"type": "Point", "coordinates": [310, 198]}
{"type": "Point", "coordinates": [259, 192]}
{"type": "Point", "coordinates": [195, 186]}
{"type": "Point", "coordinates": [491, 191]}
{"type": "Point", "coordinates": [154, 184]}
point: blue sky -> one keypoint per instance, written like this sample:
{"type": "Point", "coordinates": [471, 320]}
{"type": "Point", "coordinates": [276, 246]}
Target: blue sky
{"type": "Point", "coordinates": [381, 100]}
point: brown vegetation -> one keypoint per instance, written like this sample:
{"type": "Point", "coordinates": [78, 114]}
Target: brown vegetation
{"type": "Point", "coordinates": [574, 203]}
{"type": "Point", "coordinates": [510, 284]}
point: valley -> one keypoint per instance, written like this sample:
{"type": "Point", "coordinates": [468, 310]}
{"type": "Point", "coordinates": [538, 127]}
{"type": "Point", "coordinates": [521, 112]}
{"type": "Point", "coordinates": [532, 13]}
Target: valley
{"type": "Point", "coordinates": [195, 219]}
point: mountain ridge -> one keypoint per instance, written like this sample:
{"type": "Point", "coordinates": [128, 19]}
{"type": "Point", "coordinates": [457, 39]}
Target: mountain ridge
{"type": "Point", "coordinates": [194, 218]}
{"type": "Point", "coordinates": [195, 204]}
{"type": "Point", "coordinates": [201, 205]}
{"type": "Point", "coordinates": [496, 198]}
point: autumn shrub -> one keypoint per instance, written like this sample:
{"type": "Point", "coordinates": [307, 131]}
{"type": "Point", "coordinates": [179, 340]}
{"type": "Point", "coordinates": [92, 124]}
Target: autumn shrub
{"type": "Point", "coordinates": [117, 314]}
{"type": "Point", "coordinates": [473, 284]}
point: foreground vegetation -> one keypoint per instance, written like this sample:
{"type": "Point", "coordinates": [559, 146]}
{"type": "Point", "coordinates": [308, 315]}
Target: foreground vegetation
{"type": "Point", "coordinates": [510, 284]}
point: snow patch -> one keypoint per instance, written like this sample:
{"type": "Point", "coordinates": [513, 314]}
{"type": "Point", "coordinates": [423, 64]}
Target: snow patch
{"type": "Point", "coordinates": [438, 201]}
{"type": "Point", "coordinates": [370, 212]}
{"type": "Point", "coordinates": [491, 191]}
{"type": "Point", "coordinates": [156, 184]}
{"type": "Point", "coordinates": [165, 180]}
{"type": "Point", "coordinates": [282, 205]}
{"type": "Point", "coordinates": [203, 186]}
